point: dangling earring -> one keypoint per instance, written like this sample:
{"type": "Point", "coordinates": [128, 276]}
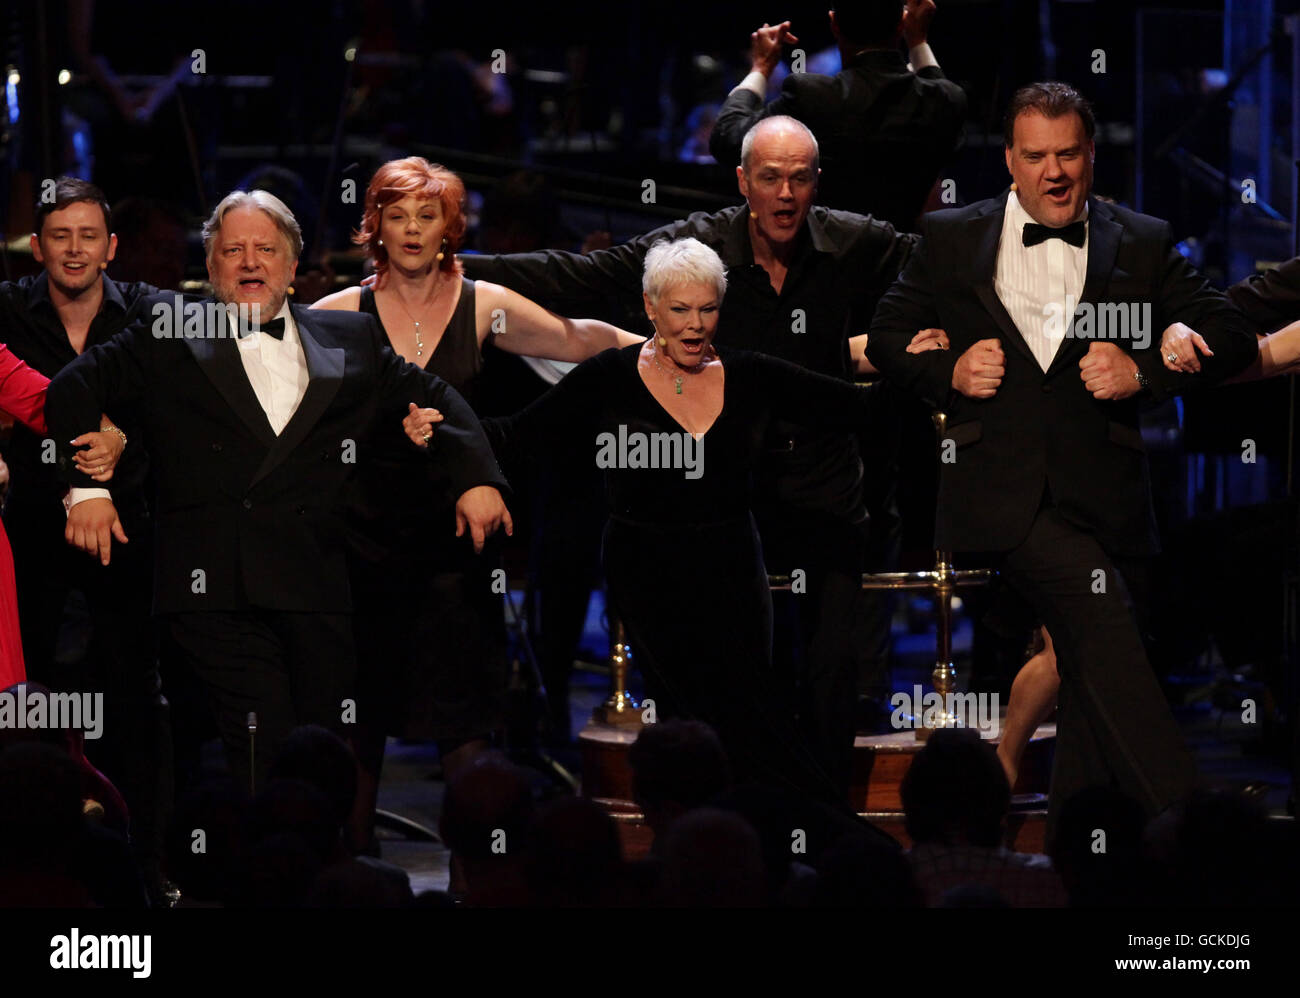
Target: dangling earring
{"type": "Point", "coordinates": [752, 212]}
{"type": "Point", "coordinates": [659, 339]}
{"type": "Point", "coordinates": [381, 242]}
{"type": "Point", "coordinates": [442, 252]}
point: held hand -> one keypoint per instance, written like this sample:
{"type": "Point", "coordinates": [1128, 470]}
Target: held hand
{"type": "Point", "coordinates": [1180, 342]}
{"type": "Point", "coordinates": [1108, 372]}
{"type": "Point", "coordinates": [101, 457]}
{"type": "Point", "coordinates": [92, 525]}
{"type": "Point", "coordinates": [979, 371]}
{"type": "Point", "coordinates": [917, 15]}
{"type": "Point", "coordinates": [765, 46]}
{"type": "Point", "coordinates": [482, 510]}
{"type": "Point", "coordinates": [928, 339]}
{"type": "Point", "coordinates": [419, 424]}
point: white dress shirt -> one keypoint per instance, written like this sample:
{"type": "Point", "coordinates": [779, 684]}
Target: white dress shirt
{"type": "Point", "coordinates": [1039, 285]}
{"type": "Point", "coordinates": [277, 371]}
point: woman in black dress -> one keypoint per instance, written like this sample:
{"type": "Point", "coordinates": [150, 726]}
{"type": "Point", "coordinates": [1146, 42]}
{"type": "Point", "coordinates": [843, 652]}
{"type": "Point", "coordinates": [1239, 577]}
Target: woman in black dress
{"type": "Point", "coordinates": [429, 619]}
{"type": "Point", "coordinates": [678, 428]}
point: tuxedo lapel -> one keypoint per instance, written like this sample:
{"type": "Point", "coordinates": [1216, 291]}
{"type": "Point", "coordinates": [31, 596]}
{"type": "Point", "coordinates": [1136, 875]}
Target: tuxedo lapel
{"type": "Point", "coordinates": [1103, 247]}
{"type": "Point", "coordinates": [986, 234]}
{"type": "Point", "coordinates": [218, 358]}
{"type": "Point", "coordinates": [325, 366]}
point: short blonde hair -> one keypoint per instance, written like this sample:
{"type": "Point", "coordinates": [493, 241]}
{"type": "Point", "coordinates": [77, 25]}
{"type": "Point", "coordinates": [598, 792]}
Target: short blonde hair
{"type": "Point", "coordinates": [683, 261]}
{"type": "Point", "coordinates": [262, 201]}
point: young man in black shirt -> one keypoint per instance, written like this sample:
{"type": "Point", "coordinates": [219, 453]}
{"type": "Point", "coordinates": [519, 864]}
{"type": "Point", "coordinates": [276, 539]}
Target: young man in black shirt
{"type": "Point", "coordinates": [48, 320]}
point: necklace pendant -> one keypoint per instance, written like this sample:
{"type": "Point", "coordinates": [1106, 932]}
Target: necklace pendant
{"type": "Point", "coordinates": [678, 382]}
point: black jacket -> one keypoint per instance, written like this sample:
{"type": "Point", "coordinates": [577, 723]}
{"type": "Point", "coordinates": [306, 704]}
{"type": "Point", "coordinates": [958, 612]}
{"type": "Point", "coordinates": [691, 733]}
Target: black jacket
{"type": "Point", "coordinates": [1044, 430]}
{"type": "Point", "coordinates": [259, 515]}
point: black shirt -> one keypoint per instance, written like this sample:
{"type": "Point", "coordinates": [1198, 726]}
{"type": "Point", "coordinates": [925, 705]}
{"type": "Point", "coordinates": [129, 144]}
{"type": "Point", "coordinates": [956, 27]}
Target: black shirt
{"type": "Point", "coordinates": [30, 326]}
{"type": "Point", "coordinates": [842, 264]}
{"type": "Point", "coordinates": [883, 132]}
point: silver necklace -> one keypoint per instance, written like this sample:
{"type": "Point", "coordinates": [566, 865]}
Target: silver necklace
{"type": "Point", "coordinates": [419, 341]}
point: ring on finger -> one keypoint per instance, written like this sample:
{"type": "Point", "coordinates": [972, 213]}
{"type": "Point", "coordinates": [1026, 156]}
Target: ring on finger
{"type": "Point", "coordinates": [1171, 357]}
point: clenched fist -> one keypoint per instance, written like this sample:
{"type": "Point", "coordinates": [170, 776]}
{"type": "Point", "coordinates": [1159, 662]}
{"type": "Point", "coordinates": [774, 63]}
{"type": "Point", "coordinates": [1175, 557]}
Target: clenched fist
{"type": "Point", "coordinates": [1108, 372]}
{"type": "Point", "coordinates": [979, 371]}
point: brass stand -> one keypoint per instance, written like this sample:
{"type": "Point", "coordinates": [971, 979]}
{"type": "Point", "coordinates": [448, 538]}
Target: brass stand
{"type": "Point", "coordinates": [943, 581]}
{"type": "Point", "coordinates": [621, 708]}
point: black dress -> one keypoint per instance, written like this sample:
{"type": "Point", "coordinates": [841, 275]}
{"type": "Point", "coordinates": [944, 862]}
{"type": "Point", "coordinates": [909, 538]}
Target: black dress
{"type": "Point", "coordinates": [430, 630]}
{"type": "Point", "coordinates": [682, 557]}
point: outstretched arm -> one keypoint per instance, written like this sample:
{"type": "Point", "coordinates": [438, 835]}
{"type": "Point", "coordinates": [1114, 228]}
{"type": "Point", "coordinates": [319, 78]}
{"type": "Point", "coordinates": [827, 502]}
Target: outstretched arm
{"type": "Point", "coordinates": [521, 326]}
{"type": "Point", "coordinates": [907, 307]}
{"type": "Point", "coordinates": [803, 396]}
{"type": "Point", "coordinates": [562, 417]}
{"type": "Point", "coordinates": [569, 283]}
{"type": "Point", "coordinates": [1270, 300]}
{"type": "Point", "coordinates": [1186, 297]}
{"type": "Point", "coordinates": [1279, 352]}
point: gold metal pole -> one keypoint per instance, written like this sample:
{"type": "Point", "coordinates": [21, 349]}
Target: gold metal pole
{"type": "Point", "coordinates": [621, 707]}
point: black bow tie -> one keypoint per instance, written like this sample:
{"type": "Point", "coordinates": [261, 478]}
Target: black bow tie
{"type": "Point", "coordinates": [273, 328]}
{"type": "Point", "coordinates": [1074, 233]}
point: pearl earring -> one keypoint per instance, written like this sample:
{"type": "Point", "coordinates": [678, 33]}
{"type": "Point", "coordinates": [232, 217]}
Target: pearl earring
{"type": "Point", "coordinates": [442, 252]}
{"type": "Point", "coordinates": [381, 242]}
{"type": "Point", "coordinates": [1013, 186]}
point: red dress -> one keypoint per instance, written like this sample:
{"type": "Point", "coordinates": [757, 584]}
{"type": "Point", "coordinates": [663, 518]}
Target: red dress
{"type": "Point", "coordinates": [22, 395]}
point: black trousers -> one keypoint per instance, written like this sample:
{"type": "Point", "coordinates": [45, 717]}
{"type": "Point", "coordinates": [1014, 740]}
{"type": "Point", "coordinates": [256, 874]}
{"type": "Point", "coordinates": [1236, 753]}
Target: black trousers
{"type": "Point", "coordinates": [700, 626]}
{"type": "Point", "coordinates": [290, 669]}
{"type": "Point", "coordinates": [1114, 725]}
{"type": "Point", "coordinates": [121, 660]}
{"type": "Point", "coordinates": [814, 650]}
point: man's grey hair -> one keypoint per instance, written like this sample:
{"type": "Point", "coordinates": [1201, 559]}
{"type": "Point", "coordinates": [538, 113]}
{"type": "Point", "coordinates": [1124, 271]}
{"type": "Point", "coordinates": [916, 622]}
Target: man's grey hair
{"type": "Point", "coordinates": [263, 201]}
{"type": "Point", "coordinates": [747, 143]}
{"type": "Point", "coordinates": [684, 261]}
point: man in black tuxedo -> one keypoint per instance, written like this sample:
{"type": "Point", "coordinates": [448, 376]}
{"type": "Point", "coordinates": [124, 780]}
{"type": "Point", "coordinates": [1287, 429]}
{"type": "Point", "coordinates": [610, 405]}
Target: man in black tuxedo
{"type": "Point", "coordinates": [885, 128]}
{"type": "Point", "coordinates": [252, 430]}
{"type": "Point", "coordinates": [1044, 462]}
